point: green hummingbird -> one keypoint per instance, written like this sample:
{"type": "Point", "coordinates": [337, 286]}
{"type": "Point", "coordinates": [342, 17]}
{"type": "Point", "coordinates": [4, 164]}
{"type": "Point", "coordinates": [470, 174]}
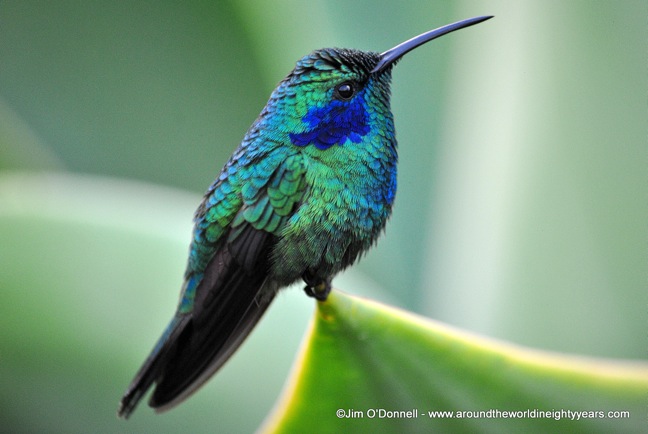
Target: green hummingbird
{"type": "Point", "coordinates": [308, 191]}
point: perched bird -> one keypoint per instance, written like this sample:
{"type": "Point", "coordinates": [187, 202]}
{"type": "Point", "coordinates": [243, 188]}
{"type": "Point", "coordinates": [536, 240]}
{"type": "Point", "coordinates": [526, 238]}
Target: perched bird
{"type": "Point", "coordinates": [305, 194]}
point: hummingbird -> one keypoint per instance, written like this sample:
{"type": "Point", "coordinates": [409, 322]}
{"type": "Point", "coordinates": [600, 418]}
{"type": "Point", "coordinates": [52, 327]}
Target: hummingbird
{"type": "Point", "coordinates": [307, 192]}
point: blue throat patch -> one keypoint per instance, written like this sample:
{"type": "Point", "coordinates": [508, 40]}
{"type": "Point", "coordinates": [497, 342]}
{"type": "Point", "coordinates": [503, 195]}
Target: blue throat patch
{"type": "Point", "coordinates": [334, 124]}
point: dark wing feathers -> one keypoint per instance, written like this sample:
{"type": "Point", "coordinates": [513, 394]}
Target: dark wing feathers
{"type": "Point", "coordinates": [217, 327]}
{"type": "Point", "coordinates": [227, 304]}
{"type": "Point", "coordinates": [248, 247]}
{"type": "Point", "coordinates": [230, 297]}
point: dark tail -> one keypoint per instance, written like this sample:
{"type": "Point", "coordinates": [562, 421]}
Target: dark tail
{"type": "Point", "coordinates": [229, 300]}
{"type": "Point", "coordinates": [149, 371]}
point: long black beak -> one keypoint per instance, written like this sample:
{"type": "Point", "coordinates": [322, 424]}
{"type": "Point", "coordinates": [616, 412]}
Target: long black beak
{"type": "Point", "coordinates": [392, 55]}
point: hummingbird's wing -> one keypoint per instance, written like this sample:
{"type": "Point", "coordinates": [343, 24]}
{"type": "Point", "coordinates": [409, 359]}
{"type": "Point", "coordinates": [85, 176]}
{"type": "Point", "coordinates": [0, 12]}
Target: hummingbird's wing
{"type": "Point", "coordinates": [229, 296]}
{"type": "Point", "coordinates": [228, 303]}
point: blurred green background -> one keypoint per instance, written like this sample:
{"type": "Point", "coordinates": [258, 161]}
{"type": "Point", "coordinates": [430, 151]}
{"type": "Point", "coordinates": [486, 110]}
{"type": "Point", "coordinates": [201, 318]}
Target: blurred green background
{"type": "Point", "coordinates": [521, 210]}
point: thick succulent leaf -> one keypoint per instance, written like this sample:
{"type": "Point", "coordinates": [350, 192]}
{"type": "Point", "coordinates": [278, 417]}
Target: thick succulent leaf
{"type": "Point", "coordinates": [362, 360]}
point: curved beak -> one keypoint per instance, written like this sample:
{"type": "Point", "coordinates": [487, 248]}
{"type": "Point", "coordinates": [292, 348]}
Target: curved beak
{"type": "Point", "coordinates": [392, 55]}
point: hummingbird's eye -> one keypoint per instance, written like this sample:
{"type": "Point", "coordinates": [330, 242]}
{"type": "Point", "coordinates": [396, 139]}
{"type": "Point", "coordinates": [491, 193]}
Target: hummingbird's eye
{"type": "Point", "coordinates": [345, 91]}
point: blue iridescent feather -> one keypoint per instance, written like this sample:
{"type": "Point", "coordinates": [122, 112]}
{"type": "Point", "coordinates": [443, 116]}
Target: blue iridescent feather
{"type": "Point", "coordinates": [334, 124]}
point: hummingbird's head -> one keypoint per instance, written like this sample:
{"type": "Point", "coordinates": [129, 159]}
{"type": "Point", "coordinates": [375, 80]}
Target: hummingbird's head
{"type": "Point", "coordinates": [341, 96]}
{"type": "Point", "coordinates": [335, 98]}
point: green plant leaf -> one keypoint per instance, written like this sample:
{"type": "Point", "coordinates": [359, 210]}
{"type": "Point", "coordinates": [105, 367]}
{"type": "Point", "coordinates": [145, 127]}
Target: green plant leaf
{"type": "Point", "coordinates": [364, 359]}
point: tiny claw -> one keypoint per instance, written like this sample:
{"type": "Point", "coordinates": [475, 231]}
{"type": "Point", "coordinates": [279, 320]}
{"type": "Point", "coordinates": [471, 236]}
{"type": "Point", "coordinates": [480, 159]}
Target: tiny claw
{"type": "Point", "coordinates": [319, 292]}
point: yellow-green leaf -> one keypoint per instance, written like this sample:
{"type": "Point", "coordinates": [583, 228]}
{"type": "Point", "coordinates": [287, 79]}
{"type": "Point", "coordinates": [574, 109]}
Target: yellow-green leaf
{"type": "Point", "coordinates": [367, 367]}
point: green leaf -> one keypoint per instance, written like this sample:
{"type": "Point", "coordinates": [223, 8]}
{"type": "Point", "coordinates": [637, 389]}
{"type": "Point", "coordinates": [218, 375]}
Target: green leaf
{"type": "Point", "coordinates": [365, 359]}
{"type": "Point", "coordinates": [20, 146]}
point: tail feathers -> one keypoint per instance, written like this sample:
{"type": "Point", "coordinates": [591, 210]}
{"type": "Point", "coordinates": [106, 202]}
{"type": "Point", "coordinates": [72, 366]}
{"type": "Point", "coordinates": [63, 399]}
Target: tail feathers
{"type": "Point", "coordinates": [150, 370]}
{"type": "Point", "coordinates": [178, 383]}
{"type": "Point", "coordinates": [231, 297]}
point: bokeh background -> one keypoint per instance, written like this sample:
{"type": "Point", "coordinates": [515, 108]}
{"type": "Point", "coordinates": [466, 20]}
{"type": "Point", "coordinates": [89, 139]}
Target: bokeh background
{"type": "Point", "coordinates": [521, 210]}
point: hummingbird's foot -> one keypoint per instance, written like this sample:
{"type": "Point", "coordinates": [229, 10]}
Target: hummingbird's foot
{"type": "Point", "coordinates": [318, 289]}
{"type": "Point", "coordinates": [319, 292]}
